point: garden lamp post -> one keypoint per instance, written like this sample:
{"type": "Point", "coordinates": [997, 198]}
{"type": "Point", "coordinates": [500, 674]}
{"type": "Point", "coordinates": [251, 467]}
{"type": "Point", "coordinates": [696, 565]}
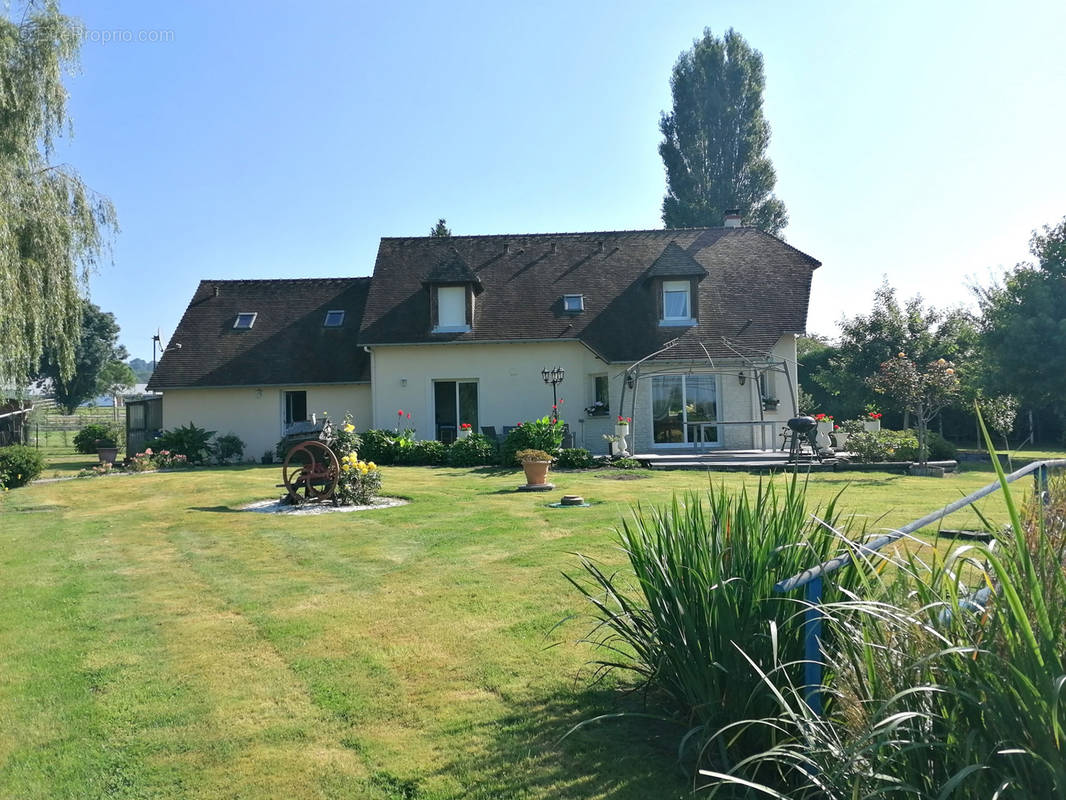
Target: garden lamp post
{"type": "Point", "coordinates": [554, 376]}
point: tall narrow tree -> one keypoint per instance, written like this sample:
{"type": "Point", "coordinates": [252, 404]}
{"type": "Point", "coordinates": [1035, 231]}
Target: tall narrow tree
{"type": "Point", "coordinates": [50, 221]}
{"type": "Point", "coordinates": [440, 230]}
{"type": "Point", "coordinates": [715, 138]}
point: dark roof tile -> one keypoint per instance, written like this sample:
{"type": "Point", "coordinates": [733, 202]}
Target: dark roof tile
{"type": "Point", "coordinates": [751, 275]}
{"type": "Point", "coordinates": [287, 344]}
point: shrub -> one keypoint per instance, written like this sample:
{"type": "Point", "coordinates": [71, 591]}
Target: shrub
{"type": "Point", "coordinates": [701, 586]}
{"type": "Point", "coordinates": [228, 447]}
{"type": "Point", "coordinates": [19, 465]}
{"type": "Point", "coordinates": [151, 459]}
{"type": "Point", "coordinates": [523, 456]}
{"type": "Point", "coordinates": [85, 440]}
{"type": "Point", "coordinates": [625, 463]}
{"type": "Point", "coordinates": [575, 458]}
{"type": "Point", "coordinates": [423, 452]}
{"type": "Point", "coordinates": [940, 449]}
{"type": "Point", "coordinates": [379, 446]}
{"type": "Point", "coordinates": [538, 434]}
{"type": "Point", "coordinates": [884, 445]}
{"type": "Point", "coordinates": [186, 440]}
{"type": "Point", "coordinates": [473, 451]}
{"type": "Point", "coordinates": [360, 479]}
{"type": "Point", "coordinates": [944, 689]}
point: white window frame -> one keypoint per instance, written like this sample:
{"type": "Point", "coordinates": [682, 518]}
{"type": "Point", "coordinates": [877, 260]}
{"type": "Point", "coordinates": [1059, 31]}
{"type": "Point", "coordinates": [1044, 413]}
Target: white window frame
{"type": "Point", "coordinates": [450, 326]}
{"type": "Point", "coordinates": [241, 315]}
{"type": "Point", "coordinates": [338, 323]}
{"type": "Point", "coordinates": [677, 287]}
{"type": "Point", "coordinates": [686, 445]}
{"type": "Point", "coordinates": [567, 298]}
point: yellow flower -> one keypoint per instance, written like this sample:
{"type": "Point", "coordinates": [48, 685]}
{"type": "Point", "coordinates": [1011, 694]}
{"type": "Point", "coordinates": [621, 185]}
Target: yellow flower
{"type": "Point", "coordinates": [372, 465]}
{"type": "Point", "coordinates": [348, 427]}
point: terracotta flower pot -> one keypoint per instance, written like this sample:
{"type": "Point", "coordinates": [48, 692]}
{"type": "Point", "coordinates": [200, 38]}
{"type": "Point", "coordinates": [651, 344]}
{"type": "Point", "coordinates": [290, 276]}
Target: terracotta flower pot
{"type": "Point", "coordinates": [536, 472]}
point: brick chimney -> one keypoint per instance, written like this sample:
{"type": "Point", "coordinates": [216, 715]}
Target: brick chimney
{"type": "Point", "coordinates": [732, 218]}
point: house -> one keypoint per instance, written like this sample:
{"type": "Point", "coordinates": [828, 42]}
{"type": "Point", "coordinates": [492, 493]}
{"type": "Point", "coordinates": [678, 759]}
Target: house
{"type": "Point", "coordinates": [689, 332]}
{"type": "Point", "coordinates": [252, 357]}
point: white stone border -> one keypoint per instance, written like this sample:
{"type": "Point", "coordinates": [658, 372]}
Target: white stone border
{"type": "Point", "coordinates": [277, 507]}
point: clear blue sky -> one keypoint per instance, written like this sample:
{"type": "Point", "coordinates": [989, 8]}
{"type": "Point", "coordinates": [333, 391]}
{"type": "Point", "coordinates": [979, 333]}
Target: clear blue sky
{"type": "Point", "coordinates": [917, 140]}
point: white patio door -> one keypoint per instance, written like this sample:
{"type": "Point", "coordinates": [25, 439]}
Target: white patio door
{"type": "Point", "coordinates": [685, 411]}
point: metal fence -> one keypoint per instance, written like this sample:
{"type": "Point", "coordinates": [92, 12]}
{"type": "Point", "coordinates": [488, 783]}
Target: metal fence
{"type": "Point", "coordinates": [812, 579]}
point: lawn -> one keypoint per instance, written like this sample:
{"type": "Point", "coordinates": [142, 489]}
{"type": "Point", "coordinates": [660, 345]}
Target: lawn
{"type": "Point", "coordinates": [155, 642]}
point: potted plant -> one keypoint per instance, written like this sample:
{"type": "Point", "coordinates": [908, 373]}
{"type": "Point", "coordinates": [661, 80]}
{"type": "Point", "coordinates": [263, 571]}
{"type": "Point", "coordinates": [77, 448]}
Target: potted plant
{"type": "Point", "coordinates": [840, 437]}
{"type": "Point", "coordinates": [465, 430]}
{"type": "Point", "coordinates": [770, 403]}
{"type": "Point", "coordinates": [872, 421]}
{"type": "Point", "coordinates": [613, 443]}
{"type": "Point", "coordinates": [535, 463]}
{"type": "Point", "coordinates": [825, 423]}
{"type": "Point", "coordinates": [107, 450]}
{"type": "Point", "coordinates": [621, 430]}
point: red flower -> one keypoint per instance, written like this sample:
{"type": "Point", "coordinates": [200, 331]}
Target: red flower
{"type": "Point", "coordinates": [465, 426]}
{"type": "Point", "coordinates": [554, 407]}
{"type": "Point", "coordinates": [519, 424]}
{"type": "Point", "coordinates": [399, 413]}
{"type": "Point", "coordinates": [409, 415]}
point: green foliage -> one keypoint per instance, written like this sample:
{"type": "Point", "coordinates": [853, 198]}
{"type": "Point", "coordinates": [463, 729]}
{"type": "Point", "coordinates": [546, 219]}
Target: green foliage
{"type": "Point", "coordinates": [19, 465]}
{"type": "Point", "coordinates": [85, 440]}
{"type": "Point", "coordinates": [940, 449]}
{"type": "Point", "coordinates": [359, 481]}
{"type": "Point", "coordinates": [1023, 326]}
{"type": "Point", "coordinates": [440, 230]}
{"type": "Point", "coordinates": [97, 348]}
{"type": "Point", "coordinates": [715, 138]}
{"type": "Point", "coordinates": [379, 446]}
{"type": "Point", "coordinates": [522, 456]}
{"type": "Point", "coordinates": [187, 440]}
{"type": "Point", "coordinates": [884, 445]}
{"type": "Point", "coordinates": [141, 369]}
{"type": "Point", "coordinates": [473, 451]}
{"type": "Point", "coordinates": [424, 452]}
{"type": "Point", "coordinates": [537, 434]}
{"type": "Point", "coordinates": [575, 458]}
{"type": "Point", "coordinates": [842, 372]}
{"type": "Point", "coordinates": [949, 684]}
{"type": "Point", "coordinates": [228, 447]}
{"type": "Point", "coordinates": [152, 459]}
{"type": "Point", "coordinates": [624, 463]}
{"type": "Point", "coordinates": [50, 236]}
{"type": "Point", "coordinates": [701, 584]}
{"type": "Point", "coordinates": [115, 378]}
{"type": "Point", "coordinates": [921, 392]}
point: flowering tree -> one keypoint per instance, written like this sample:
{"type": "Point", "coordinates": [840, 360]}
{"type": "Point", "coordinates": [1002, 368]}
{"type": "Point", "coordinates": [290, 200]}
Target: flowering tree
{"type": "Point", "coordinates": [922, 392]}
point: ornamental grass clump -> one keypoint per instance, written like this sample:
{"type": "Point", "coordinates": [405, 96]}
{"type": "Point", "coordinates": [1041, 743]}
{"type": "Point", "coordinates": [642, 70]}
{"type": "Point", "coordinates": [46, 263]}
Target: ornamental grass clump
{"type": "Point", "coordinates": [697, 606]}
{"type": "Point", "coordinates": [948, 681]}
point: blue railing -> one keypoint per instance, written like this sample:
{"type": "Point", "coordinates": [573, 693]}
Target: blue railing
{"type": "Point", "coordinates": [812, 579]}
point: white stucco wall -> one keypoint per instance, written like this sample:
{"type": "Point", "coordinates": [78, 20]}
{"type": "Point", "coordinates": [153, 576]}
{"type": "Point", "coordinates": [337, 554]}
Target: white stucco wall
{"type": "Point", "coordinates": [256, 414]}
{"type": "Point", "coordinates": [510, 386]}
{"type": "Point", "coordinates": [510, 389]}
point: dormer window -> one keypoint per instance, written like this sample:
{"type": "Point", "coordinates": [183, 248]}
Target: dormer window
{"type": "Point", "coordinates": [677, 302]}
{"type": "Point", "coordinates": [573, 303]}
{"type": "Point", "coordinates": [451, 309]}
{"type": "Point", "coordinates": [245, 320]}
{"type": "Point", "coordinates": [334, 319]}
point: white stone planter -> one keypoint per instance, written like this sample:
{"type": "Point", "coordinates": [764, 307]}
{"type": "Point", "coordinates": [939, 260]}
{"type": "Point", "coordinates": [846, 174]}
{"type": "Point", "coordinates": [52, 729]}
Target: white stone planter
{"type": "Point", "coordinates": [871, 425]}
{"type": "Point", "coordinates": [464, 434]}
{"type": "Point", "coordinates": [825, 426]}
{"type": "Point", "coordinates": [840, 439]}
{"type": "Point", "coordinates": [622, 431]}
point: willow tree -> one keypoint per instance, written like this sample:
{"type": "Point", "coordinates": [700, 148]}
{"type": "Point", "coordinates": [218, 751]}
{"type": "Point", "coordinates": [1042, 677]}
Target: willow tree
{"type": "Point", "coordinates": [715, 138]}
{"type": "Point", "coordinates": [51, 223]}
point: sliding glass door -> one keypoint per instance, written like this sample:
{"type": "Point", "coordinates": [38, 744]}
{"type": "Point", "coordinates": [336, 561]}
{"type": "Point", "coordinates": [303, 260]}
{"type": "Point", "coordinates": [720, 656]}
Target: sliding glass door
{"type": "Point", "coordinates": [685, 410]}
{"type": "Point", "coordinates": [455, 403]}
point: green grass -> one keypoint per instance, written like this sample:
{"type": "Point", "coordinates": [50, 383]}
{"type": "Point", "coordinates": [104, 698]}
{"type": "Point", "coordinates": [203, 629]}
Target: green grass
{"type": "Point", "coordinates": [155, 643]}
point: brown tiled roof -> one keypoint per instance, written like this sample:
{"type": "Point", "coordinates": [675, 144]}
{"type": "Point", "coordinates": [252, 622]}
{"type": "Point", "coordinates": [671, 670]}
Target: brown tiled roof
{"type": "Point", "coordinates": [287, 344]}
{"type": "Point", "coordinates": [452, 269]}
{"type": "Point", "coordinates": [757, 288]}
{"type": "Point", "coordinates": [675, 263]}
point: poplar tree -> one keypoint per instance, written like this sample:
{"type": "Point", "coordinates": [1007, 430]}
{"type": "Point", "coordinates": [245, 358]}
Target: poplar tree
{"type": "Point", "coordinates": [51, 223]}
{"type": "Point", "coordinates": [715, 138]}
